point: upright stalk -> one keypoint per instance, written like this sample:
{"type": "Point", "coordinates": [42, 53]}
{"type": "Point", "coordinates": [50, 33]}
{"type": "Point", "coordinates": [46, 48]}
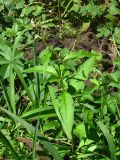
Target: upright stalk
{"type": "Point", "coordinates": [59, 16]}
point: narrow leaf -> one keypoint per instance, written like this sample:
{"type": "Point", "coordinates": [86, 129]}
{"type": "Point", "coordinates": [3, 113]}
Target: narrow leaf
{"type": "Point", "coordinates": [43, 140]}
{"type": "Point", "coordinates": [108, 138]}
{"type": "Point", "coordinates": [5, 94]}
{"type": "Point", "coordinates": [20, 76]}
{"type": "Point", "coordinates": [42, 69]}
{"type": "Point", "coordinates": [9, 146]}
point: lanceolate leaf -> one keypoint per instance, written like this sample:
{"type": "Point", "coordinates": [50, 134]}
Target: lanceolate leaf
{"type": "Point", "coordinates": [56, 106]}
{"type": "Point", "coordinates": [67, 111]}
{"type": "Point", "coordinates": [42, 112]}
{"type": "Point", "coordinates": [64, 110]}
{"type": "Point", "coordinates": [12, 89]}
{"type": "Point", "coordinates": [108, 138]}
{"type": "Point", "coordinates": [41, 69]}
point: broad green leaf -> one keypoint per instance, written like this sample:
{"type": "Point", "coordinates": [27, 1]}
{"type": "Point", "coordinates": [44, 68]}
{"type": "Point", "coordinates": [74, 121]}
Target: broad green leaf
{"type": "Point", "coordinates": [77, 84]}
{"type": "Point", "coordinates": [113, 10]}
{"type": "Point", "coordinates": [50, 125]}
{"type": "Point", "coordinates": [74, 55]}
{"type": "Point", "coordinates": [67, 111]}
{"type": "Point", "coordinates": [64, 110]}
{"type": "Point", "coordinates": [38, 10]}
{"type": "Point", "coordinates": [19, 4]}
{"type": "Point", "coordinates": [117, 62]}
{"type": "Point", "coordinates": [115, 84]}
{"type": "Point", "coordinates": [56, 106]}
{"type": "Point", "coordinates": [92, 148]}
{"type": "Point", "coordinates": [76, 7]}
{"type": "Point", "coordinates": [82, 74]}
{"type": "Point", "coordinates": [6, 50]}
{"type": "Point", "coordinates": [116, 35]}
{"type": "Point", "coordinates": [115, 76]}
{"type": "Point", "coordinates": [111, 104]}
{"type": "Point", "coordinates": [84, 70]}
{"type": "Point", "coordinates": [103, 31]}
{"type": "Point", "coordinates": [95, 81]}
{"type": "Point", "coordinates": [2, 119]}
{"type": "Point", "coordinates": [85, 26]}
{"type": "Point", "coordinates": [80, 131]}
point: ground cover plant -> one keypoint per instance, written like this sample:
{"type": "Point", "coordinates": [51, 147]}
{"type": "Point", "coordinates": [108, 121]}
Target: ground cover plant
{"type": "Point", "coordinates": [59, 79]}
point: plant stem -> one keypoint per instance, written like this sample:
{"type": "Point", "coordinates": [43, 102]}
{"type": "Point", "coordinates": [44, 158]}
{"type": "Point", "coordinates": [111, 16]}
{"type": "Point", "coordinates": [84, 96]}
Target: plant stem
{"type": "Point", "coordinates": [59, 17]}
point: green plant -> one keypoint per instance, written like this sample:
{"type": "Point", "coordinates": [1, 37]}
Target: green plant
{"type": "Point", "coordinates": [63, 103]}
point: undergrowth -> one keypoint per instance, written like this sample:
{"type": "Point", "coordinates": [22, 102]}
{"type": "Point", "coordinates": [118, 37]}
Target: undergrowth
{"type": "Point", "coordinates": [59, 103]}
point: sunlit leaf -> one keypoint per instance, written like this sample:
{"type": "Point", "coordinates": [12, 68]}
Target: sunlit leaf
{"type": "Point", "coordinates": [41, 69]}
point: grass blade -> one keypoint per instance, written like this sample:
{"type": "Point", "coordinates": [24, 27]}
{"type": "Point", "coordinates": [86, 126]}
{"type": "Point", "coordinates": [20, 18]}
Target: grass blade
{"type": "Point", "coordinates": [42, 112]}
{"type": "Point", "coordinates": [6, 94]}
{"type": "Point", "coordinates": [20, 76]}
{"type": "Point", "coordinates": [12, 90]}
{"type": "Point", "coordinates": [43, 139]}
{"type": "Point", "coordinates": [9, 146]}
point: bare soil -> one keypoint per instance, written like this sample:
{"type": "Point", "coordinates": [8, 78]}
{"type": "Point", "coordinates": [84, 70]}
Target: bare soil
{"type": "Point", "coordinates": [86, 41]}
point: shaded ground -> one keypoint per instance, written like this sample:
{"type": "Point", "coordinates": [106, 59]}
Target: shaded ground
{"type": "Point", "coordinates": [86, 41]}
